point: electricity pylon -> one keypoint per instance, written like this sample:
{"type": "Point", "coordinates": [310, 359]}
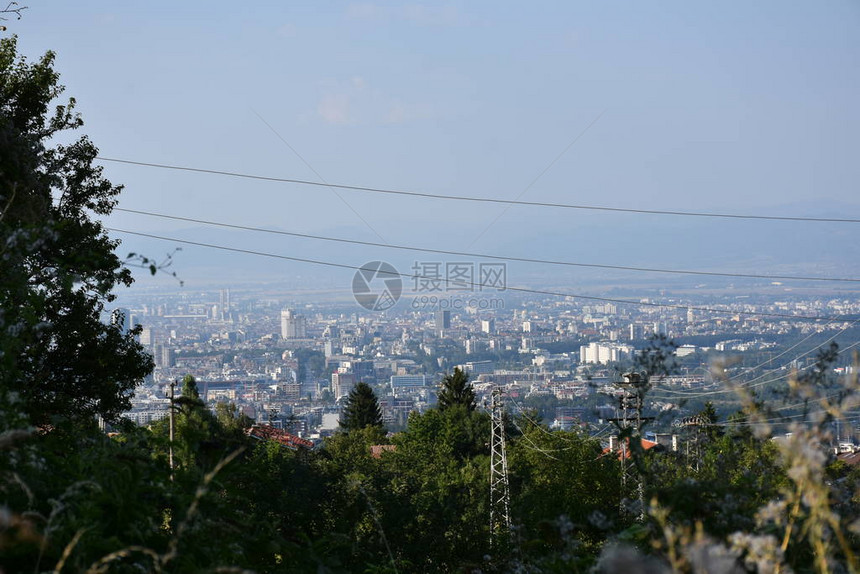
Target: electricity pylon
{"type": "Point", "coordinates": [630, 423]}
{"type": "Point", "coordinates": [500, 497]}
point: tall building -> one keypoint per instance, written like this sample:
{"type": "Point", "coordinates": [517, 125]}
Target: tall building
{"type": "Point", "coordinates": [329, 348]}
{"type": "Point", "coordinates": [488, 326]}
{"type": "Point", "coordinates": [602, 353]}
{"type": "Point", "coordinates": [146, 338]}
{"type": "Point", "coordinates": [443, 321]}
{"type": "Point", "coordinates": [475, 346]}
{"type": "Point", "coordinates": [293, 325]}
{"type": "Point", "coordinates": [475, 368]}
{"type": "Point", "coordinates": [363, 370]}
{"type": "Point", "coordinates": [342, 384]}
{"type": "Point", "coordinates": [164, 356]}
{"type": "Point", "coordinates": [224, 306]}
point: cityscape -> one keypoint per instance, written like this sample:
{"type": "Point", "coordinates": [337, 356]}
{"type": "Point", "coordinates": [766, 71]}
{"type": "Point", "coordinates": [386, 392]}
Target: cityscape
{"type": "Point", "coordinates": [398, 286]}
{"type": "Point", "coordinates": [292, 365]}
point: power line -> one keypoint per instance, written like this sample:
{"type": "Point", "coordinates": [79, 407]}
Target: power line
{"type": "Point", "coordinates": [540, 175]}
{"type": "Point", "coordinates": [523, 412]}
{"type": "Point", "coordinates": [483, 255]}
{"type": "Point", "coordinates": [321, 178]}
{"type": "Point", "coordinates": [694, 394]}
{"type": "Point", "coordinates": [480, 199]}
{"type": "Point", "coordinates": [532, 445]}
{"type": "Point", "coordinates": [556, 435]}
{"type": "Point", "coordinates": [479, 284]}
{"type": "Point", "coordinates": [788, 350]}
{"type": "Point", "coordinates": [753, 383]}
{"type": "Point", "coordinates": [755, 379]}
{"type": "Point", "coordinates": [796, 358]}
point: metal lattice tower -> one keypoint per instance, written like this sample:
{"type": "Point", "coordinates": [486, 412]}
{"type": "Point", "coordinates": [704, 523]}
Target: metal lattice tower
{"type": "Point", "coordinates": [695, 422]}
{"type": "Point", "coordinates": [629, 422]}
{"type": "Point", "coordinates": [500, 498]}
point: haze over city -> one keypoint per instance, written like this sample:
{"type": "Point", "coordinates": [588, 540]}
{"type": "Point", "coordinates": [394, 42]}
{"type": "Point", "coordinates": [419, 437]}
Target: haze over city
{"type": "Point", "coordinates": [736, 108]}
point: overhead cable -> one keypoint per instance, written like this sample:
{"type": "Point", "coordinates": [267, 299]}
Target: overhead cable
{"type": "Point", "coordinates": [473, 284]}
{"type": "Point", "coordinates": [484, 255]}
{"type": "Point", "coordinates": [480, 199]}
{"type": "Point", "coordinates": [755, 382]}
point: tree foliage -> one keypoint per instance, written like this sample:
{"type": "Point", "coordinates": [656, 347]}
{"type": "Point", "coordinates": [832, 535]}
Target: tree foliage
{"type": "Point", "coordinates": [58, 267]}
{"type": "Point", "coordinates": [563, 485]}
{"type": "Point", "coordinates": [456, 390]}
{"type": "Point", "coordinates": [361, 410]}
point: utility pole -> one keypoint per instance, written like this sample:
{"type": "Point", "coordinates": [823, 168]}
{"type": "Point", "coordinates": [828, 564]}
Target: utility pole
{"type": "Point", "coordinates": [630, 405]}
{"type": "Point", "coordinates": [500, 498]}
{"type": "Point", "coordinates": [170, 414]}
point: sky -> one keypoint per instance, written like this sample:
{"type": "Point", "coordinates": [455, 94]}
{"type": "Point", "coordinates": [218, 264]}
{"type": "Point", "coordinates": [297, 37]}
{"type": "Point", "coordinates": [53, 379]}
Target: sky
{"type": "Point", "coordinates": [733, 107]}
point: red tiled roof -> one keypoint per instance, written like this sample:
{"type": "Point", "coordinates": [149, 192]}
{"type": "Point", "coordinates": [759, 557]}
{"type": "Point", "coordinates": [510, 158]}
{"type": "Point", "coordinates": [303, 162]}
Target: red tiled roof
{"type": "Point", "coordinates": [646, 445]}
{"type": "Point", "coordinates": [283, 437]}
{"type": "Point", "coordinates": [850, 458]}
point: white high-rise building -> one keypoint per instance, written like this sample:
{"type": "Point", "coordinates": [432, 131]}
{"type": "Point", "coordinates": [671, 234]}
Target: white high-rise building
{"type": "Point", "coordinates": [342, 384]}
{"type": "Point", "coordinates": [293, 325]}
{"type": "Point", "coordinates": [603, 353]}
{"type": "Point", "coordinates": [488, 326]}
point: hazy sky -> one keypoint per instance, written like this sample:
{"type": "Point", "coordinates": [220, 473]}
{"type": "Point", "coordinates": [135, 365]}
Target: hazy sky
{"type": "Point", "coordinates": [746, 107]}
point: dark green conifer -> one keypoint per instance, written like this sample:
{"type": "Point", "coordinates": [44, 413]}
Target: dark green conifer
{"type": "Point", "coordinates": [361, 410]}
{"type": "Point", "coordinates": [456, 390]}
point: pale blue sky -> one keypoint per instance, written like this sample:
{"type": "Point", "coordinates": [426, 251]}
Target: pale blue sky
{"type": "Point", "coordinates": [729, 106]}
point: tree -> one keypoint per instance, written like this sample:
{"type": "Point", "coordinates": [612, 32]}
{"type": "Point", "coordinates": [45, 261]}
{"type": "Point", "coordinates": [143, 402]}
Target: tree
{"type": "Point", "coordinates": [58, 358]}
{"type": "Point", "coordinates": [564, 495]}
{"type": "Point", "coordinates": [708, 413]}
{"type": "Point", "coordinates": [190, 392]}
{"type": "Point", "coordinates": [456, 390]}
{"type": "Point", "coordinates": [362, 409]}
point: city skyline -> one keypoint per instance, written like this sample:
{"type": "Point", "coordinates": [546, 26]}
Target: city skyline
{"type": "Point", "coordinates": [251, 354]}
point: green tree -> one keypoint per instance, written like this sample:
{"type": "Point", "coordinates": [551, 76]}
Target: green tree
{"type": "Point", "coordinates": [721, 482]}
{"type": "Point", "coordinates": [564, 495]}
{"type": "Point", "coordinates": [190, 391]}
{"type": "Point", "coordinates": [434, 503]}
{"type": "Point", "coordinates": [456, 390]}
{"type": "Point", "coordinates": [58, 268]}
{"type": "Point", "coordinates": [109, 488]}
{"type": "Point", "coordinates": [199, 440]}
{"type": "Point", "coordinates": [709, 413]}
{"type": "Point", "coordinates": [230, 418]}
{"type": "Point", "coordinates": [361, 410]}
